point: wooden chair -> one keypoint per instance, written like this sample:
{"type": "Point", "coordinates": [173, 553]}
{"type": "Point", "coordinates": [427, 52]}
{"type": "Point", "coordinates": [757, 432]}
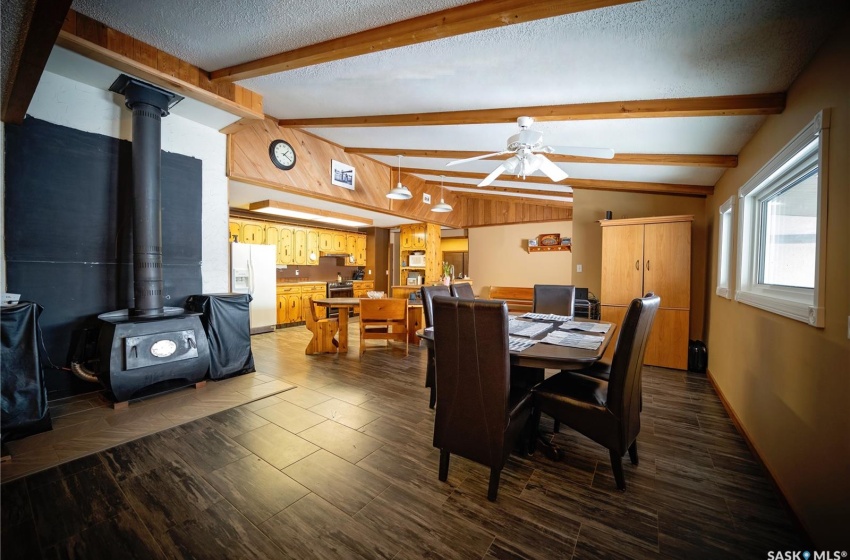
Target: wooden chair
{"type": "Point", "coordinates": [383, 319]}
{"type": "Point", "coordinates": [324, 331]}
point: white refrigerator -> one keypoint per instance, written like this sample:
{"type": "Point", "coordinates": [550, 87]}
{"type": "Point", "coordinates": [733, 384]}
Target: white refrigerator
{"type": "Point", "coordinates": [253, 271]}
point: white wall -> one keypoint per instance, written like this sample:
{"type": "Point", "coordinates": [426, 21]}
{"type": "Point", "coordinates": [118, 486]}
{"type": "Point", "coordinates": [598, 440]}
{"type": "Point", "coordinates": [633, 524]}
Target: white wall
{"type": "Point", "coordinates": [498, 257]}
{"type": "Point", "coordinates": [62, 101]}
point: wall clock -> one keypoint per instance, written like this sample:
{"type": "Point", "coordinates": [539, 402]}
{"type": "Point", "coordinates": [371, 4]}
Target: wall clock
{"type": "Point", "coordinates": [282, 154]}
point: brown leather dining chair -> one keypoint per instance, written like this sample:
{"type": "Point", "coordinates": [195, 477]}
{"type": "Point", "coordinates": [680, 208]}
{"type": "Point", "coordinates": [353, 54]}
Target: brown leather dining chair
{"type": "Point", "coordinates": [608, 412]}
{"type": "Point", "coordinates": [463, 290]}
{"type": "Point", "coordinates": [428, 293]}
{"type": "Point", "coordinates": [478, 416]}
{"type": "Point", "coordinates": [384, 319]}
{"type": "Point", "coordinates": [555, 299]}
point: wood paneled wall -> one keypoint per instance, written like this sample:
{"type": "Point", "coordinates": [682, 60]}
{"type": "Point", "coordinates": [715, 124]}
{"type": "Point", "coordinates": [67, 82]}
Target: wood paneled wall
{"type": "Point", "coordinates": [97, 41]}
{"type": "Point", "coordinates": [488, 212]}
{"type": "Point", "coordinates": [248, 161]}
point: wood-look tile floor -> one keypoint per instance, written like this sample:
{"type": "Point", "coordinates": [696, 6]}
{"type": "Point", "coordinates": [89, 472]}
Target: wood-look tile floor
{"type": "Point", "coordinates": [342, 466]}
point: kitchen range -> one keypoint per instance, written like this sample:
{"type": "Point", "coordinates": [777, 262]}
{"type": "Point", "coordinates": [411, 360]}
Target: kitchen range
{"type": "Point", "coordinates": [344, 288]}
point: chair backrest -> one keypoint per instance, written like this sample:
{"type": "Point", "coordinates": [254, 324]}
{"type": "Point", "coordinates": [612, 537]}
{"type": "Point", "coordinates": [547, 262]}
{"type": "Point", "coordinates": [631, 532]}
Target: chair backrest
{"type": "Point", "coordinates": [463, 290]}
{"type": "Point", "coordinates": [383, 310]}
{"type": "Point", "coordinates": [428, 293]}
{"type": "Point", "coordinates": [473, 377]}
{"type": "Point", "coordinates": [556, 299]}
{"type": "Point", "coordinates": [625, 378]}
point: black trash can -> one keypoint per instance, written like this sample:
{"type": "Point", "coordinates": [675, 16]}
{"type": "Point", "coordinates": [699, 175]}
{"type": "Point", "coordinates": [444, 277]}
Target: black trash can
{"type": "Point", "coordinates": [24, 393]}
{"type": "Point", "coordinates": [227, 323]}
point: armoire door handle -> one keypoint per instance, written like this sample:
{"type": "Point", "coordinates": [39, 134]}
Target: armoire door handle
{"type": "Point", "coordinates": [647, 264]}
{"type": "Point", "coordinates": [637, 264]}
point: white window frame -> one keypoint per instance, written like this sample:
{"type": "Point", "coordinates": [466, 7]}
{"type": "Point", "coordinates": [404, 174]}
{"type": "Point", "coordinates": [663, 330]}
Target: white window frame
{"type": "Point", "coordinates": [801, 304]}
{"type": "Point", "coordinates": [724, 248]}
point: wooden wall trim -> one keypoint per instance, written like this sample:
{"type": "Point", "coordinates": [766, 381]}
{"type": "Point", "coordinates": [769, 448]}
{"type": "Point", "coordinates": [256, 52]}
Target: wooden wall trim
{"type": "Point", "coordinates": [96, 41]}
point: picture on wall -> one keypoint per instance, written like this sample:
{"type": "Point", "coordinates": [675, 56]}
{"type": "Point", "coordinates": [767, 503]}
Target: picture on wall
{"type": "Point", "coordinates": [342, 175]}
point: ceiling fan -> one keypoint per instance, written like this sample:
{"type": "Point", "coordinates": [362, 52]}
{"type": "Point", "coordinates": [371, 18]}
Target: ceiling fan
{"type": "Point", "coordinates": [525, 146]}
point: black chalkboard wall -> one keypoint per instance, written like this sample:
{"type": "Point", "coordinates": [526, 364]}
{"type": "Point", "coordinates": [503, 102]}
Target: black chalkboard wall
{"type": "Point", "coordinates": [68, 227]}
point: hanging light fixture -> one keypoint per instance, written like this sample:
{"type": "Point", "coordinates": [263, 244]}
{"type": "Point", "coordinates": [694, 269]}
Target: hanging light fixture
{"type": "Point", "coordinates": [442, 206]}
{"type": "Point", "coordinates": [400, 192]}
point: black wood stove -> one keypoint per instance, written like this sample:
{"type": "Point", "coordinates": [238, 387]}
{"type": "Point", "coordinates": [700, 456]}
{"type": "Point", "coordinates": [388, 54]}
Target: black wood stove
{"type": "Point", "coordinates": [151, 347]}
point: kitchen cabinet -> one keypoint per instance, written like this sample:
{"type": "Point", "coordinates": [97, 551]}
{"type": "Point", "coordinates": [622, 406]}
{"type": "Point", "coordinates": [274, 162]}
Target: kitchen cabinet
{"type": "Point", "coordinates": [253, 232]}
{"type": "Point", "coordinates": [284, 246]}
{"type": "Point", "coordinates": [650, 255]}
{"type": "Point", "coordinates": [326, 241]}
{"type": "Point", "coordinates": [308, 294]}
{"type": "Point", "coordinates": [361, 287]}
{"type": "Point", "coordinates": [339, 243]}
{"type": "Point", "coordinates": [299, 246]}
{"type": "Point", "coordinates": [351, 249]}
{"type": "Point", "coordinates": [360, 250]}
{"type": "Point", "coordinates": [235, 229]}
{"type": "Point", "coordinates": [420, 238]}
{"type": "Point", "coordinates": [272, 235]}
{"type": "Point", "coordinates": [312, 247]}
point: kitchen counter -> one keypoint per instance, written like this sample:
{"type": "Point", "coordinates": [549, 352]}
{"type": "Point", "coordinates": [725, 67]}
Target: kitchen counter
{"type": "Point", "coordinates": [308, 283]}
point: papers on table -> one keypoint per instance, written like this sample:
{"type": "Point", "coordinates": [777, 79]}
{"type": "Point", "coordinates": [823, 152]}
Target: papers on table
{"type": "Point", "coordinates": [573, 340]}
{"type": "Point", "coordinates": [546, 317]}
{"type": "Point", "coordinates": [516, 344]}
{"type": "Point", "coordinates": [585, 326]}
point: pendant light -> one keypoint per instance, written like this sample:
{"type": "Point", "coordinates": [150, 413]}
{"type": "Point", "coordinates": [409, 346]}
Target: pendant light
{"type": "Point", "coordinates": [442, 206]}
{"type": "Point", "coordinates": [400, 192]}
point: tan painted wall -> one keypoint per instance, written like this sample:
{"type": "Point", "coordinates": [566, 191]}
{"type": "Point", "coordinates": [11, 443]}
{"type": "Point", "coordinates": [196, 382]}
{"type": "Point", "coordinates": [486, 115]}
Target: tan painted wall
{"type": "Point", "coordinates": [498, 256]}
{"type": "Point", "coordinates": [788, 383]}
{"type": "Point", "coordinates": [589, 207]}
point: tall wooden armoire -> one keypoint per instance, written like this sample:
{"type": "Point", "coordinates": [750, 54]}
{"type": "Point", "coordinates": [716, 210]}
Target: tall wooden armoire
{"type": "Point", "coordinates": [643, 255]}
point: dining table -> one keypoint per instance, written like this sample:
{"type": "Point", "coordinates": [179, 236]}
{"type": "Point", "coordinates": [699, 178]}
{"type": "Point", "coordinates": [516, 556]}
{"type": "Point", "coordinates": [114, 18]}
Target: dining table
{"type": "Point", "coordinates": [541, 356]}
{"type": "Point", "coordinates": [548, 356]}
{"type": "Point", "coordinates": [344, 304]}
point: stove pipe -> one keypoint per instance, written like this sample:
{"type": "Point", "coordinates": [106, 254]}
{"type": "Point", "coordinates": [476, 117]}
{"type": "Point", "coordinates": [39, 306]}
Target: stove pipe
{"type": "Point", "coordinates": [149, 104]}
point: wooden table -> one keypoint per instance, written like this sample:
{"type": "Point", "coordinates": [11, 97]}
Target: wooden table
{"type": "Point", "coordinates": [414, 317]}
{"type": "Point", "coordinates": [547, 355]}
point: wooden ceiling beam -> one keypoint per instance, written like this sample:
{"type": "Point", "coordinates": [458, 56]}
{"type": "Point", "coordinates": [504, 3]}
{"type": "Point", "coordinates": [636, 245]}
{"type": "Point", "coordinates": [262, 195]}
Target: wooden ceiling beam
{"type": "Point", "coordinates": [686, 160]}
{"type": "Point", "coordinates": [722, 106]}
{"type": "Point", "coordinates": [476, 16]}
{"type": "Point", "coordinates": [496, 190]}
{"type": "Point", "coordinates": [591, 184]}
{"type": "Point", "coordinates": [502, 198]}
{"type": "Point", "coordinates": [38, 34]}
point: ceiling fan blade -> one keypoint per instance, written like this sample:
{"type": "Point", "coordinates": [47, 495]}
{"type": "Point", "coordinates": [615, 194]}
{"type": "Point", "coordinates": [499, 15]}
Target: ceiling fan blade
{"type": "Point", "coordinates": [603, 153]}
{"type": "Point", "coordinates": [492, 176]}
{"type": "Point", "coordinates": [550, 169]}
{"type": "Point", "coordinates": [485, 156]}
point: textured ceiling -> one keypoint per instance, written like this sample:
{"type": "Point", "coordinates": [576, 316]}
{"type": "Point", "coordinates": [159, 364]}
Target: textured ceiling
{"type": "Point", "coordinates": [643, 50]}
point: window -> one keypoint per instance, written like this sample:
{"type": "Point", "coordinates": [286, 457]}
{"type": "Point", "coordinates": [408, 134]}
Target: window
{"type": "Point", "coordinates": [724, 248]}
{"type": "Point", "coordinates": [782, 229]}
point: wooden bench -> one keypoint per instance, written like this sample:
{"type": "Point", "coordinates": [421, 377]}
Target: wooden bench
{"type": "Point", "coordinates": [519, 299]}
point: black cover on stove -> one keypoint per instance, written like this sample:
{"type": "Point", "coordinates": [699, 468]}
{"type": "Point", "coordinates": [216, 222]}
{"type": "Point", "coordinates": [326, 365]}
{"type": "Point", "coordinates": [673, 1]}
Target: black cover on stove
{"type": "Point", "coordinates": [226, 321]}
{"type": "Point", "coordinates": [24, 394]}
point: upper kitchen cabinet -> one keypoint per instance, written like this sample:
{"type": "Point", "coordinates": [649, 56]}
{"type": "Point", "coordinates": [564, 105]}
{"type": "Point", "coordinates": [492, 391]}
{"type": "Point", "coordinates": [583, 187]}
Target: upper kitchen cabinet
{"type": "Point", "coordinates": [284, 245]}
{"type": "Point", "coordinates": [235, 228]}
{"type": "Point", "coordinates": [299, 246]}
{"type": "Point", "coordinates": [326, 240]}
{"type": "Point", "coordinates": [253, 232]}
{"type": "Point", "coordinates": [313, 237]}
{"type": "Point", "coordinates": [360, 249]}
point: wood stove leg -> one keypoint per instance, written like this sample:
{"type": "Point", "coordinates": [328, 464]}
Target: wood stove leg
{"type": "Point", "coordinates": [201, 384]}
{"type": "Point", "coordinates": [120, 405]}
